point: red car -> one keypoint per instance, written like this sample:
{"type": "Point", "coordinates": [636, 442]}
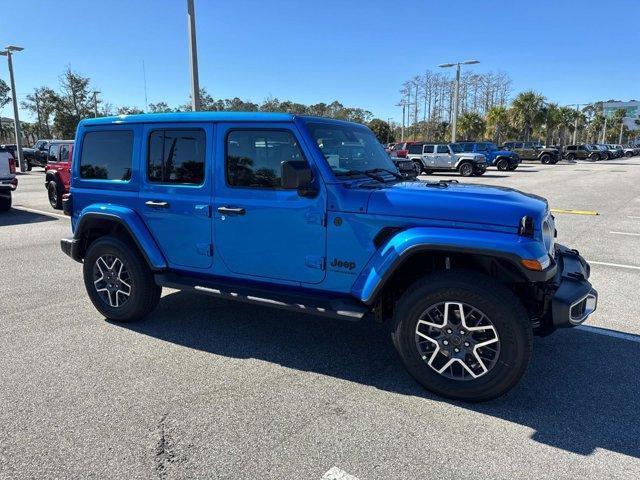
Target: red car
{"type": "Point", "coordinates": [58, 171]}
{"type": "Point", "coordinates": [401, 149]}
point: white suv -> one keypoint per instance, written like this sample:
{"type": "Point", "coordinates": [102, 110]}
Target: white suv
{"type": "Point", "coordinates": [8, 180]}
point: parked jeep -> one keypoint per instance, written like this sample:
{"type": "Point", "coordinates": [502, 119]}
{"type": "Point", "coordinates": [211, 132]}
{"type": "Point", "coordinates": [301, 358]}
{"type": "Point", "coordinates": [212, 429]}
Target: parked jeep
{"type": "Point", "coordinates": [582, 152]}
{"type": "Point", "coordinates": [8, 180]}
{"type": "Point", "coordinates": [57, 171]}
{"type": "Point", "coordinates": [605, 154]}
{"type": "Point", "coordinates": [448, 157]}
{"type": "Point", "coordinates": [615, 151]}
{"type": "Point", "coordinates": [282, 211]}
{"type": "Point", "coordinates": [501, 159]}
{"type": "Point", "coordinates": [630, 151]}
{"type": "Point", "coordinates": [533, 151]}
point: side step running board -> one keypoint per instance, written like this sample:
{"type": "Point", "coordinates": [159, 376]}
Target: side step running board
{"type": "Point", "coordinates": [344, 308]}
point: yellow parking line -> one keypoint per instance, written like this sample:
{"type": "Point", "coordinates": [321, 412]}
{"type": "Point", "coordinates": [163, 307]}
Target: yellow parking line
{"type": "Point", "coordinates": [574, 212]}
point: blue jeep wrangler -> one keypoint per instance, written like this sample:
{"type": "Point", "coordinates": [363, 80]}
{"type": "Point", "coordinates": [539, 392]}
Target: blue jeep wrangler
{"type": "Point", "coordinates": [502, 159]}
{"type": "Point", "coordinates": [310, 215]}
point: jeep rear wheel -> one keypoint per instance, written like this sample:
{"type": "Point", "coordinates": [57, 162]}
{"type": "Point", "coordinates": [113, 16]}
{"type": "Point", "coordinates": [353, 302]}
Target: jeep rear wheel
{"type": "Point", "coordinates": [503, 164]}
{"type": "Point", "coordinates": [466, 169]}
{"type": "Point", "coordinates": [54, 194]}
{"type": "Point", "coordinates": [417, 166]}
{"type": "Point", "coordinates": [571, 156]}
{"type": "Point", "coordinates": [463, 335]}
{"type": "Point", "coordinates": [118, 280]}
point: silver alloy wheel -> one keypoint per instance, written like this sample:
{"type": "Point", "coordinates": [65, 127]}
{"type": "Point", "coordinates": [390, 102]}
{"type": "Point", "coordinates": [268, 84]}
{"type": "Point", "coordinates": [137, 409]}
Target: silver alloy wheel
{"type": "Point", "coordinates": [457, 340]}
{"type": "Point", "coordinates": [466, 169]}
{"type": "Point", "coordinates": [112, 280]}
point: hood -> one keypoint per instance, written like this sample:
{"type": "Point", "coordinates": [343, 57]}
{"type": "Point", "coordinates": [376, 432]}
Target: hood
{"type": "Point", "coordinates": [457, 202]}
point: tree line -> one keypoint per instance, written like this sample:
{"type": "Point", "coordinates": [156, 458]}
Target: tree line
{"type": "Point", "coordinates": [485, 111]}
{"type": "Point", "coordinates": [58, 111]}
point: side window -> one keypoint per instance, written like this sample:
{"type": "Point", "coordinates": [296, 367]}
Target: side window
{"type": "Point", "coordinates": [517, 145]}
{"type": "Point", "coordinates": [428, 149]}
{"type": "Point", "coordinates": [467, 147]}
{"type": "Point", "coordinates": [482, 147]}
{"type": "Point", "coordinates": [54, 153]}
{"type": "Point", "coordinates": [571, 147]}
{"type": "Point", "coordinates": [415, 149]}
{"type": "Point", "coordinates": [64, 153]}
{"type": "Point", "coordinates": [254, 157]}
{"type": "Point", "coordinates": [106, 155]}
{"type": "Point", "coordinates": [508, 145]}
{"type": "Point", "coordinates": [442, 149]}
{"type": "Point", "coordinates": [529, 145]}
{"type": "Point", "coordinates": [176, 156]}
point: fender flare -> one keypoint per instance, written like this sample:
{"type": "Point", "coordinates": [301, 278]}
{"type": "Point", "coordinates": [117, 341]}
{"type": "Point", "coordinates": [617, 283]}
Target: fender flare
{"type": "Point", "coordinates": [392, 255]}
{"type": "Point", "coordinates": [131, 222]}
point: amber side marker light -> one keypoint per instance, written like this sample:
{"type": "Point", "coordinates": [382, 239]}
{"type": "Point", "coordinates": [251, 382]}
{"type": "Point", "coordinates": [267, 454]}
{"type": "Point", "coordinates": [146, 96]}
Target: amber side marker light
{"type": "Point", "coordinates": [531, 265]}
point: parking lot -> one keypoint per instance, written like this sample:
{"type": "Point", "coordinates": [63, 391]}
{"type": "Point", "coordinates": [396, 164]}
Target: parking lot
{"type": "Point", "coordinates": [209, 388]}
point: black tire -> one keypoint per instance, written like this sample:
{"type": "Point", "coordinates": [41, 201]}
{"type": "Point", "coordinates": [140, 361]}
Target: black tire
{"type": "Point", "coordinates": [628, 154]}
{"type": "Point", "coordinates": [553, 161]}
{"type": "Point", "coordinates": [428, 172]}
{"type": "Point", "coordinates": [503, 164]}
{"type": "Point", "coordinates": [512, 167]}
{"type": "Point", "coordinates": [5, 202]}
{"type": "Point", "coordinates": [465, 169]}
{"type": "Point", "coordinates": [605, 156]}
{"type": "Point", "coordinates": [545, 158]}
{"type": "Point", "coordinates": [506, 314]}
{"type": "Point", "coordinates": [54, 192]}
{"type": "Point", "coordinates": [144, 293]}
{"type": "Point", "coordinates": [417, 167]}
{"type": "Point", "coordinates": [478, 173]}
{"type": "Point", "coordinates": [593, 158]}
{"type": "Point", "coordinates": [571, 156]}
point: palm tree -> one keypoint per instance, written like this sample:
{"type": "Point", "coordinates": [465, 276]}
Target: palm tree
{"type": "Point", "coordinates": [566, 120]}
{"type": "Point", "coordinates": [527, 112]}
{"type": "Point", "coordinates": [497, 123]}
{"type": "Point", "coordinates": [471, 125]}
{"type": "Point", "coordinates": [551, 121]}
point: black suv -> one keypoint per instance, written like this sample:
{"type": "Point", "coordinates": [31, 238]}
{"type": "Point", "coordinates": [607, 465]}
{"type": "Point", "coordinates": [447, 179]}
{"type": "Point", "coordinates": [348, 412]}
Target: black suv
{"type": "Point", "coordinates": [582, 152]}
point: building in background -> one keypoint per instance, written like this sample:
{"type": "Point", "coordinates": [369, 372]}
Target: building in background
{"type": "Point", "coordinates": [631, 108]}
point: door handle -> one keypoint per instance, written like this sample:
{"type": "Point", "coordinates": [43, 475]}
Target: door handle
{"type": "Point", "coordinates": [156, 204]}
{"type": "Point", "coordinates": [231, 210]}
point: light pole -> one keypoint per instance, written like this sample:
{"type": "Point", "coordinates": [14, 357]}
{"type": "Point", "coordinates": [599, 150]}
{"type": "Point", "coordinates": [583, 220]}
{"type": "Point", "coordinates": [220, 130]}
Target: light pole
{"type": "Point", "coordinates": [456, 94]}
{"type": "Point", "coordinates": [95, 103]}
{"type": "Point", "coordinates": [7, 52]}
{"type": "Point", "coordinates": [193, 57]}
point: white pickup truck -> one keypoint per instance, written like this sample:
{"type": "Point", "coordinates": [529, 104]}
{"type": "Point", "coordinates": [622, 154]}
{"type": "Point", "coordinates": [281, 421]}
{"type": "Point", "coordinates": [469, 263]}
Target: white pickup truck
{"type": "Point", "coordinates": [8, 180]}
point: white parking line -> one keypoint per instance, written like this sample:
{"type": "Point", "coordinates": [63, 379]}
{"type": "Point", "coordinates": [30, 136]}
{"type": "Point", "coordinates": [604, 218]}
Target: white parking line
{"type": "Point", "coordinates": [610, 333]}
{"type": "Point", "coordinates": [41, 212]}
{"type": "Point", "coordinates": [631, 216]}
{"type": "Point", "coordinates": [626, 233]}
{"type": "Point", "coordinates": [335, 473]}
{"type": "Point", "coordinates": [618, 265]}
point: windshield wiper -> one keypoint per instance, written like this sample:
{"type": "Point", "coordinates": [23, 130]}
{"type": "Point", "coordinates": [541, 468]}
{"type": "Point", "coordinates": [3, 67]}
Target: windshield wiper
{"type": "Point", "coordinates": [367, 173]}
{"type": "Point", "coordinates": [395, 174]}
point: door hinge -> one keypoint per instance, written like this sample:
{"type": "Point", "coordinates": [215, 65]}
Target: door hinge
{"type": "Point", "coordinates": [313, 261]}
{"type": "Point", "coordinates": [205, 249]}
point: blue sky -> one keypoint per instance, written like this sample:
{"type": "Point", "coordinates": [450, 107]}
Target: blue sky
{"type": "Point", "coordinates": [357, 52]}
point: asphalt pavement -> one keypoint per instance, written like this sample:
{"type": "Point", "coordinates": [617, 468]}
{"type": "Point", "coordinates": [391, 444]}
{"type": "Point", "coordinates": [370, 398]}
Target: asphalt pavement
{"type": "Point", "coordinates": [206, 388]}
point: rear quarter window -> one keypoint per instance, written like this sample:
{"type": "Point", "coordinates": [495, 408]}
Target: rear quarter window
{"type": "Point", "coordinates": [107, 155]}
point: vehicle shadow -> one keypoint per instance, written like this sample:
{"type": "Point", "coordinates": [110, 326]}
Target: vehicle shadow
{"type": "Point", "coordinates": [581, 391]}
{"type": "Point", "coordinates": [19, 217]}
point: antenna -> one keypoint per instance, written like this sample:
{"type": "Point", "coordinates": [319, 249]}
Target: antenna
{"type": "Point", "coordinates": [144, 78]}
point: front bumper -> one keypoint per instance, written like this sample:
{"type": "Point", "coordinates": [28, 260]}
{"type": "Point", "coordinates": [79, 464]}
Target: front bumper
{"type": "Point", "coordinates": [574, 298]}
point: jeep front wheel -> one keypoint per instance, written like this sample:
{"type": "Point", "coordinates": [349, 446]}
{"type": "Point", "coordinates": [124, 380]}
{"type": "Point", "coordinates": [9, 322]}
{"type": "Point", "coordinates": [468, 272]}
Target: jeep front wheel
{"type": "Point", "coordinates": [503, 165]}
{"type": "Point", "coordinates": [466, 169]}
{"type": "Point", "coordinates": [118, 280]}
{"type": "Point", "coordinates": [417, 167]}
{"type": "Point", "coordinates": [463, 335]}
{"type": "Point", "coordinates": [545, 158]}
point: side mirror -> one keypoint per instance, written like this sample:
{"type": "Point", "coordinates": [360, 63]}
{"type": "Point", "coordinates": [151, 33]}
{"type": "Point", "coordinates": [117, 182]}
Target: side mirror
{"type": "Point", "coordinates": [297, 175]}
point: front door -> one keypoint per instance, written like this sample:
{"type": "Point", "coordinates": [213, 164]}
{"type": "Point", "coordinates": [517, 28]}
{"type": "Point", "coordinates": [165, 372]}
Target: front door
{"type": "Point", "coordinates": [175, 193]}
{"type": "Point", "coordinates": [263, 230]}
{"type": "Point", "coordinates": [444, 158]}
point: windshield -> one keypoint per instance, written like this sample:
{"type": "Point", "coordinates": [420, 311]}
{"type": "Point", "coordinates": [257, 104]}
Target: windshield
{"type": "Point", "coordinates": [455, 147]}
{"type": "Point", "coordinates": [492, 147]}
{"type": "Point", "coordinates": [348, 148]}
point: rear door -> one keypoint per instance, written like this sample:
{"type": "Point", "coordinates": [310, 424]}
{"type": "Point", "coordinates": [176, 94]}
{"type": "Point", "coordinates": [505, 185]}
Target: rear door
{"type": "Point", "coordinates": [429, 156]}
{"type": "Point", "coordinates": [176, 190]}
